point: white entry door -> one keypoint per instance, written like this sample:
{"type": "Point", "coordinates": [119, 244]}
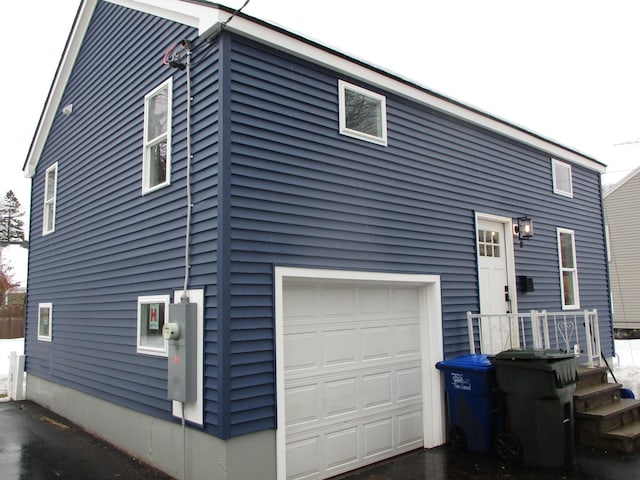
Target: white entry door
{"type": "Point", "coordinates": [496, 333]}
{"type": "Point", "coordinates": [353, 390]}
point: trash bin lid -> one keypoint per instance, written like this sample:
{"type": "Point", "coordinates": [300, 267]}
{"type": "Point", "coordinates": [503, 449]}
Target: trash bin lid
{"type": "Point", "coordinates": [475, 362]}
{"type": "Point", "coordinates": [532, 355]}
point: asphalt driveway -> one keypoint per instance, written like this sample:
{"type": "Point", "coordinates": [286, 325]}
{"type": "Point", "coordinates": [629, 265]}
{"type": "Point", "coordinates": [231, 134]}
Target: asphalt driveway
{"type": "Point", "coordinates": [38, 444]}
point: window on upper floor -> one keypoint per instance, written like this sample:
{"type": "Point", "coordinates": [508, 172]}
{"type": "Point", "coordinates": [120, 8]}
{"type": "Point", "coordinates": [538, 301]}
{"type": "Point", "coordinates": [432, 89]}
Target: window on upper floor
{"type": "Point", "coordinates": [156, 163]}
{"type": "Point", "coordinates": [45, 316]}
{"type": "Point", "coordinates": [152, 313]}
{"type": "Point", "coordinates": [562, 182]}
{"type": "Point", "coordinates": [363, 114]}
{"type": "Point", "coordinates": [50, 194]}
{"type": "Point", "coordinates": [568, 269]}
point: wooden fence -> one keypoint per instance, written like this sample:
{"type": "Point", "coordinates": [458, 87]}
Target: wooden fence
{"type": "Point", "coordinates": [12, 321]}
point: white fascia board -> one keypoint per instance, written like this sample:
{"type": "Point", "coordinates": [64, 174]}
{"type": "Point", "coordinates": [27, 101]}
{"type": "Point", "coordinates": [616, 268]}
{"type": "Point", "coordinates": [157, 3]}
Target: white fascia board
{"type": "Point", "coordinates": [348, 65]}
{"type": "Point", "coordinates": [200, 16]}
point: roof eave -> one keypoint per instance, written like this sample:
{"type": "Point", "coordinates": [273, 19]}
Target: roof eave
{"type": "Point", "coordinates": [204, 16]}
{"type": "Point", "coordinates": [207, 18]}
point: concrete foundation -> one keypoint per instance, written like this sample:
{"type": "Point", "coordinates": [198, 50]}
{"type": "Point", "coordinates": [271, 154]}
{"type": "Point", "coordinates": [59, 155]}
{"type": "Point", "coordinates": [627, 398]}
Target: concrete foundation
{"type": "Point", "coordinates": [158, 442]}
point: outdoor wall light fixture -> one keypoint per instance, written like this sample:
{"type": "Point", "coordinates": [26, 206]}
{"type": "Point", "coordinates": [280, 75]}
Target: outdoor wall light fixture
{"type": "Point", "coordinates": [524, 229]}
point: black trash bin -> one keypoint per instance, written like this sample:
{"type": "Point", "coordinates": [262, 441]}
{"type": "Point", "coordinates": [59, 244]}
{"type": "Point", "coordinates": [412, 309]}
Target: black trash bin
{"type": "Point", "coordinates": [474, 402]}
{"type": "Point", "coordinates": [538, 387]}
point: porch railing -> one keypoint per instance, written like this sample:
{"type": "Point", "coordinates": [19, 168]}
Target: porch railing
{"type": "Point", "coordinates": [571, 332]}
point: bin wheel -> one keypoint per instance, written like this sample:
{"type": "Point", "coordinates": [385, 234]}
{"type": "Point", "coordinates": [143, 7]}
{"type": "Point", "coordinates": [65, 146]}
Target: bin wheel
{"type": "Point", "coordinates": [457, 438]}
{"type": "Point", "coordinates": [508, 447]}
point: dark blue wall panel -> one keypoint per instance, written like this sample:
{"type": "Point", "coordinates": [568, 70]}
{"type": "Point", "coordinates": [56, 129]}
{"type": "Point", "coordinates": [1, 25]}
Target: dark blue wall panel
{"type": "Point", "coordinates": [111, 243]}
{"type": "Point", "coordinates": [304, 195]}
{"type": "Point", "coordinates": [274, 184]}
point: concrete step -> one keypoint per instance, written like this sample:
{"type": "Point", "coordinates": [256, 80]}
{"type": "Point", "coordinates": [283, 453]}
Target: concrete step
{"type": "Point", "coordinates": [590, 396]}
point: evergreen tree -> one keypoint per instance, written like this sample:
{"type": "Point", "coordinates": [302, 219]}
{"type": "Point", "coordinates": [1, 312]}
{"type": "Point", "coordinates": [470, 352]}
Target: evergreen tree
{"type": "Point", "coordinates": [11, 225]}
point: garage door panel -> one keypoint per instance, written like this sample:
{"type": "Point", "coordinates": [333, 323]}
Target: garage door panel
{"type": "Point", "coordinates": [409, 384]}
{"type": "Point", "coordinates": [338, 302]}
{"type": "Point", "coordinates": [376, 390]}
{"type": "Point", "coordinates": [301, 303]}
{"type": "Point", "coordinates": [409, 430]}
{"type": "Point", "coordinates": [352, 376]}
{"type": "Point", "coordinates": [339, 346]}
{"type": "Point", "coordinates": [378, 437]}
{"type": "Point", "coordinates": [301, 350]}
{"type": "Point", "coordinates": [375, 300]}
{"type": "Point", "coordinates": [302, 458]}
{"type": "Point", "coordinates": [376, 342]}
{"type": "Point", "coordinates": [340, 397]}
{"type": "Point", "coordinates": [405, 299]}
{"type": "Point", "coordinates": [342, 448]}
{"type": "Point", "coordinates": [302, 404]}
{"type": "Point", "coordinates": [317, 401]}
{"type": "Point", "coordinates": [406, 338]}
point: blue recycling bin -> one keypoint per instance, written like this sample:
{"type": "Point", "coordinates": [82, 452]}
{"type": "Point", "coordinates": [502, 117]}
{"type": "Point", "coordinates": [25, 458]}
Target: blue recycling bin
{"type": "Point", "coordinates": [475, 403]}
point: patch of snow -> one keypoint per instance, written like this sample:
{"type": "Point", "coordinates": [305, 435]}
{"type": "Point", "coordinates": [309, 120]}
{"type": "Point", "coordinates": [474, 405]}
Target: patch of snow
{"type": "Point", "coordinates": [626, 365]}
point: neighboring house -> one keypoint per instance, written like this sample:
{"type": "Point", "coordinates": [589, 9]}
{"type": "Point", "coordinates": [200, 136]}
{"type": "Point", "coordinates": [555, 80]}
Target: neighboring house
{"type": "Point", "coordinates": [623, 225]}
{"type": "Point", "coordinates": [343, 222]}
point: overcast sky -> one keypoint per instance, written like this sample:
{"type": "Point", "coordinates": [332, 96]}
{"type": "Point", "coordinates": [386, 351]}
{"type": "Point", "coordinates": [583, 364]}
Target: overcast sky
{"type": "Point", "coordinates": [566, 69]}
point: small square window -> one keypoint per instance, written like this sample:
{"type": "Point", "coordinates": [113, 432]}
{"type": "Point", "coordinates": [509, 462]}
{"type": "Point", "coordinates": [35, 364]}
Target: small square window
{"type": "Point", "coordinates": [363, 114]}
{"type": "Point", "coordinates": [562, 181]}
{"type": "Point", "coordinates": [50, 194]}
{"type": "Point", "coordinates": [156, 164]}
{"type": "Point", "coordinates": [152, 314]}
{"type": "Point", "coordinates": [45, 316]}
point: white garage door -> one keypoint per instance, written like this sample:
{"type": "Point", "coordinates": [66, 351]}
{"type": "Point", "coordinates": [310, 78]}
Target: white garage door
{"type": "Point", "coordinates": [352, 374]}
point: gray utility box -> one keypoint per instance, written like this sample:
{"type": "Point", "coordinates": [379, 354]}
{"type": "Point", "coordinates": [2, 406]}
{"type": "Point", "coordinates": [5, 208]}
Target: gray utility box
{"type": "Point", "coordinates": [538, 387]}
{"type": "Point", "coordinates": [182, 353]}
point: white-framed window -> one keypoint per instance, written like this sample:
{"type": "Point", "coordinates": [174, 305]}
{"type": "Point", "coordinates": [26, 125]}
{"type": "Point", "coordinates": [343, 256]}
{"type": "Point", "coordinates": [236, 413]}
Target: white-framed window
{"type": "Point", "coordinates": [50, 194]}
{"type": "Point", "coordinates": [152, 314]}
{"type": "Point", "coordinates": [568, 269]}
{"type": "Point", "coordinates": [45, 317]}
{"type": "Point", "coordinates": [562, 182]}
{"type": "Point", "coordinates": [363, 114]}
{"type": "Point", "coordinates": [156, 162]}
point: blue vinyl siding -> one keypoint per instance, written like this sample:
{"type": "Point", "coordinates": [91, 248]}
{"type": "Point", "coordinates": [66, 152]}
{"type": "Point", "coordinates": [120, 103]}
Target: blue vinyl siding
{"type": "Point", "coordinates": [111, 243]}
{"type": "Point", "coordinates": [303, 195]}
{"type": "Point", "coordinates": [273, 183]}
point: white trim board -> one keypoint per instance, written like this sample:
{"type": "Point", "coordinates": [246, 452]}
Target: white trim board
{"type": "Point", "coordinates": [431, 346]}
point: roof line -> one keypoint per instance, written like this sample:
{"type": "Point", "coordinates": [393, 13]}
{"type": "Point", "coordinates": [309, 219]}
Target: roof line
{"type": "Point", "coordinates": [206, 17]}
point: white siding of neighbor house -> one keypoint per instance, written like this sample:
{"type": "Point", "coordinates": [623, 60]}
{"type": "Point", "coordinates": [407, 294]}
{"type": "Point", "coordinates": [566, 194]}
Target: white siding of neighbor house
{"type": "Point", "coordinates": [623, 221]}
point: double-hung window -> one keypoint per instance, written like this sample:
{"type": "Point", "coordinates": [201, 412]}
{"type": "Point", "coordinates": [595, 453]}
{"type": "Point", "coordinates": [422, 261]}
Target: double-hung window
{"type": "Point", "coordinates": [50, 193]}
{"type": "Point", "coordinates": [568, 269]}
{"type": "Point", "coordinates": [562, 182]}
{"type": "Point", "coordinates": [156, 163]}
{"type": "Point", "coordinates": [363, 114]}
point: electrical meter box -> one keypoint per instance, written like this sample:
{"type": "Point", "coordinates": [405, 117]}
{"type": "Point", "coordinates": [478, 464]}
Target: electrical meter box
{"type": "Point", "coordinates": [181, 334]}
